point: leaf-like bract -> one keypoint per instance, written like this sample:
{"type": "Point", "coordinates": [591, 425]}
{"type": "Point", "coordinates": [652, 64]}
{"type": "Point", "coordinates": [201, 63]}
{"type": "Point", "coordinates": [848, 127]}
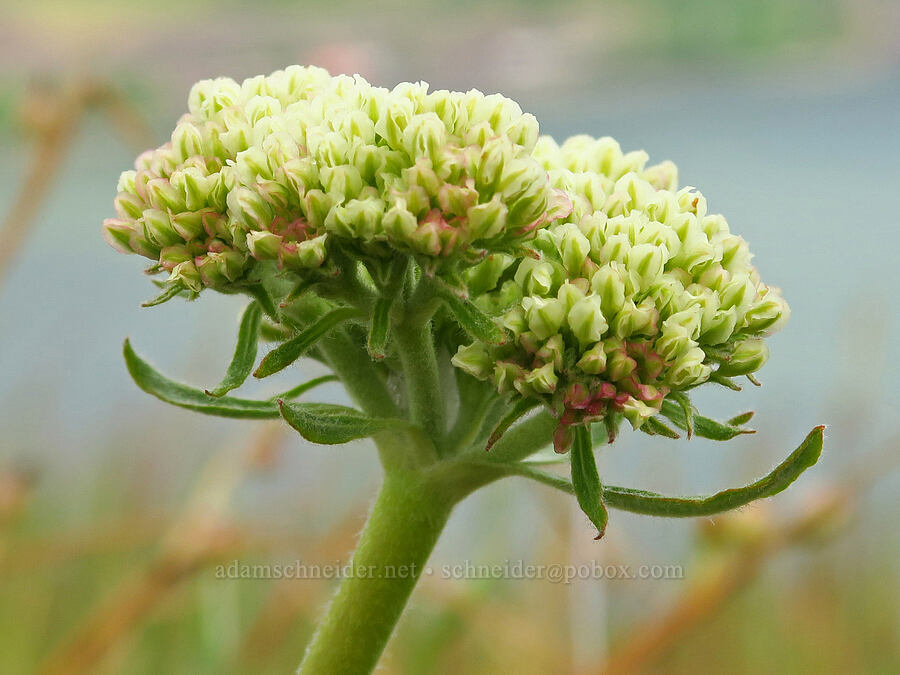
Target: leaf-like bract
{"type": "Point", "coordinates": [244, 353]}
{"type": "Point", "coordinates": [288, 352]}
{"type": "Point", "coordinates": [330, 424]}
{"type": "Point", "coordinates": [586, 481]}
{"type": "Point", "coordinates": [153, 382]}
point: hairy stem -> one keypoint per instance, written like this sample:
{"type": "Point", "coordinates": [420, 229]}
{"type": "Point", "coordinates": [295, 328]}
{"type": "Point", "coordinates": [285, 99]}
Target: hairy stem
{"type": "Point", "coordinates": [415, 346]}
{"type": "Point", "coordinates": [403, 527]}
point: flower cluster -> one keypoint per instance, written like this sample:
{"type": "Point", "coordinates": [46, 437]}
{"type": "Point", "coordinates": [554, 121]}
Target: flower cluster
{"type": "Point", "coordinates": [639, 292]}
{"type": "Point", "coordinates": [278, 168]}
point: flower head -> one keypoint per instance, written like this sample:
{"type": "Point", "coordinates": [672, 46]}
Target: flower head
{"type": "Point", "coordinates": [639, 292]}
{"type": "Point", "coordinates": [278, 169]}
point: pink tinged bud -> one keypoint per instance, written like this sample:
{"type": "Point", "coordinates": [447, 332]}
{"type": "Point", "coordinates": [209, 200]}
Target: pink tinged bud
{"type": "Point", "coordinates": [171, 256]}
{"type": "Point", "coordinates": [127, 182]}
{"type": "Point", "coordinates": [456, 199]}
{"type": "Point", "coordinates": [117, 233]}
{"type": "Point", "coordinates": [563, 438]}
{"type": "Point", "coordinates": [488, 220]}
{"type": "Point", "coordinates": [586, 320]}
{"type": "Point", "coordinates": [427, 238]}
{"type": "Point", "coordinates": [129, 206]}
{"type": "Point", "coordinates": [593, 361]}
{"type": "Point", "coordinates": [264, 245]}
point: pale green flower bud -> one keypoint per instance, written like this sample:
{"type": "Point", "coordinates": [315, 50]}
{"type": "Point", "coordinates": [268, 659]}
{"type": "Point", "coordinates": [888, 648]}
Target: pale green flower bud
{"type": "Point", "coordinates": [187, 140]}
{"type": "Point", "coordinates": [305, 254]}
{"type": "Point", "coordinates": [688, 369]}
{"type": "Point", "coordinates": [637, 412]}
{"type": "Point", "coordinates": [573, 247]}
{"type": "Point", "coordinates": [189, 225]}
{"type": "Point", "coordinates": [341, 182]}
{"type": "Point", "coordinates": [552, 350]}
{"type": "Point", "coordinates": [264, 245]}
{"type": "Point", "coordinates": [129, 206]}
{"type": "Point", "coordinates": [748, 356]}
{"type": "Point", "coordinates": [475, 360]}
{"type": "Point", "coordinates": [646, 262]}
{"type": "Point", "coordinates": [486, 220]}
{"type": "Point", "coordinates": [358, 218]}
{"type": "Point", "coordinates": [158, 228]}
{"type": "Point", "coordinates": [586, 320]}
{"type": "Point", "coordinates": [593, 361]}
{"type": "Point", "coordinates": [398, 222]}
{"type": "Point", "coordinates": [186, 275]}
{"type": "Point", "coordinates": [538, 381]}
{"type": "Point", "coordinates": [569, 294]}
{"type": "Point", "coordinates": [545, 316]}
{"type": "Point", "coordinates": [252, 165]}
{"type": "Point", "coordinates": [720, 328]}
{"type": "Point", "coordinates": [164, 196]}
{"type": "Point", "coordinates": [249, 209]}
{"type": "Point", "coordinates": [195, 185]}
{"type": "Point", "coordinates": [515, 321]}
{"type": "Point", "coordinates": [534, 276]}
{"type": "Point", "coordinates": [768, 314]}
{"type": "Point", "coordinates": [505, 376]}
{"type": "Point", "coordinates": [608, 283]}
{"type": "Point", "coordinates": [634, 319]}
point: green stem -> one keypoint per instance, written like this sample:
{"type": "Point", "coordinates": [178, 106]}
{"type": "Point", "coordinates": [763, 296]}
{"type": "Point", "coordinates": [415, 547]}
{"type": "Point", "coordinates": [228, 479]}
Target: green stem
{"type": "Point", "coordinates": [415, 347]}
{"type": "Point", "coordinates": [403, 527]}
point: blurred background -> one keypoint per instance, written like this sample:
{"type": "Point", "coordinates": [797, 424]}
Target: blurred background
{"type": "Point", "coordinates": [115, 509]}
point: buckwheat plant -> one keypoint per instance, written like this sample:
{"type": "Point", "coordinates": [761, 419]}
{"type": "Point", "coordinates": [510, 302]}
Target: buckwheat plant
{"type": "Point", "coordinates": [481, 292]}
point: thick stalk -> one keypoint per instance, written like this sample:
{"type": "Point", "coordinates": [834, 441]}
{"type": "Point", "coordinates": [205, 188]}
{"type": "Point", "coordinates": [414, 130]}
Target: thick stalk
{"type": "Point", "coordinates": [415, 347]}
{"type": "Point", "coordinates": [403, 527]}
